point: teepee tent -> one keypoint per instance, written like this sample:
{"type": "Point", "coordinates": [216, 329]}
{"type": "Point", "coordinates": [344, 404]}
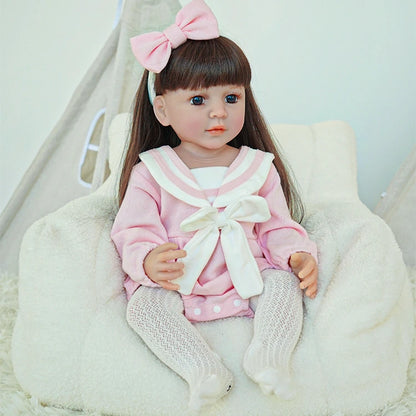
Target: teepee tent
{"type": "Point", "coordinates": [398, 208]}
{"type": "Point", "coordinates": [73, 160]}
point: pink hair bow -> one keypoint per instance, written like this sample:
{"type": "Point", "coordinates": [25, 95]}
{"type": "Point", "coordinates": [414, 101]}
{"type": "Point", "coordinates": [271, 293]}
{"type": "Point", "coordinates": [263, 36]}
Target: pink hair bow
{"type": "Point", "coordinates": [195, 21]}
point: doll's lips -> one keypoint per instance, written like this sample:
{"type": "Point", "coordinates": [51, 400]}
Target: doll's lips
{"type": "Point", "coordinates": [216, 130]}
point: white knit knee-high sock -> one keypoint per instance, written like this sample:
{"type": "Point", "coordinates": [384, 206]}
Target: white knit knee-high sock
{"type": "Point", "coordinates": [157, 316]}
{"type": "Point", "coordinates": [277, 326]}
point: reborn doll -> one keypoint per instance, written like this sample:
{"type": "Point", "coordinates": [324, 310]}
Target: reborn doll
{"type": "Point", "coordinates": [204, 228]}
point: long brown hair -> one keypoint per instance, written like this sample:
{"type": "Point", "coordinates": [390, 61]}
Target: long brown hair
{"type": "Point", "coordinates": [195, 65]}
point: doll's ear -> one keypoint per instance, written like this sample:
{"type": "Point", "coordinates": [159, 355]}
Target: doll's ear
{"type": "Point", "coordinates": [159, 108]}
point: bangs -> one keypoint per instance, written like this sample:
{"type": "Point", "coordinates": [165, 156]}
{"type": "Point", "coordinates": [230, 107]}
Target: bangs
{"type": "Point", "coordinates": [203, 64]}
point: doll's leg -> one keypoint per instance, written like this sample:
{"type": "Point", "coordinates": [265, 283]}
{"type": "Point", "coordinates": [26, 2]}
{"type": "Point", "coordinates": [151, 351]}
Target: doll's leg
{"type": "Point", "coordinates": [157, 316]}
{"type": "Point", "coordinates": [277, 326]}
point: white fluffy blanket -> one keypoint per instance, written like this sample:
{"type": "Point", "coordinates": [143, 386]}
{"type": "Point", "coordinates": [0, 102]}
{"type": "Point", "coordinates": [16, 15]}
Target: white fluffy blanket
{"type": "Point", "coordinates": [72, 347]}
{"type": "Point", "coordinates": [13, 401]}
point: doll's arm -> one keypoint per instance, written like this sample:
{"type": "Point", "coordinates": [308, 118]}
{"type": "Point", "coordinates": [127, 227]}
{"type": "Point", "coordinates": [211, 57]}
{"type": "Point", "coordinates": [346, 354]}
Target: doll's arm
{"type": "Point", "coordinates": [137, 229]}
{"type": "Point", "coordinates": [281, 236]}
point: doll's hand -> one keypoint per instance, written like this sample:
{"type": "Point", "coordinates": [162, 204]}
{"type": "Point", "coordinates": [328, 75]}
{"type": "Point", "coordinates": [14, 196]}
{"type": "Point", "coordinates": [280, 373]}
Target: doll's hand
{"type": "Point", "coordinates": [161, 267]}
{"type": "Point", "coordinates": [305, 268]}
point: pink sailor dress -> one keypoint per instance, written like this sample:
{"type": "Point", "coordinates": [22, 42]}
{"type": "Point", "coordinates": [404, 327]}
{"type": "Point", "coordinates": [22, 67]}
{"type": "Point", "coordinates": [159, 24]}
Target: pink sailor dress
{"type": "Point", "coordinates": [232, 227]}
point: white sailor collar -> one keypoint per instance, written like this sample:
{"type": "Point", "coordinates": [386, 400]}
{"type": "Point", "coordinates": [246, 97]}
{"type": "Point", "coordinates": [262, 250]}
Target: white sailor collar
{"type": "Point", "coordinates": [245, 176]}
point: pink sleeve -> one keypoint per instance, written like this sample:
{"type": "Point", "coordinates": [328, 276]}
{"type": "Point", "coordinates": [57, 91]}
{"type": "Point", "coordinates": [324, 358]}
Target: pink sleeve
{"type": "Point", "coordinates": [137, 228]}
{"type": "Point", "coordinates": [281, 236]}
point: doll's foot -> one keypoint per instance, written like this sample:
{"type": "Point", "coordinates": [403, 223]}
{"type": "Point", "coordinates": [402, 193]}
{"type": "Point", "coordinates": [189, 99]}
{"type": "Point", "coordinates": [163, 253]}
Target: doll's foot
{"type": "Point", "coordinates": [271, 380]}
{"type": "Point", "coordinates": [209, 391]}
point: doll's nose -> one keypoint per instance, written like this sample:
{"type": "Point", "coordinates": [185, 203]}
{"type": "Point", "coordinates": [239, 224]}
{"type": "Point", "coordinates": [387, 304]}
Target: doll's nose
{"type": "Point", "coordinates": [218, 110]}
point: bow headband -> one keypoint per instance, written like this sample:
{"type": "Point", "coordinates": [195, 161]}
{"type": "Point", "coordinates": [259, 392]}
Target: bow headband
{"type": "Point", "coordinates": [195, 21]}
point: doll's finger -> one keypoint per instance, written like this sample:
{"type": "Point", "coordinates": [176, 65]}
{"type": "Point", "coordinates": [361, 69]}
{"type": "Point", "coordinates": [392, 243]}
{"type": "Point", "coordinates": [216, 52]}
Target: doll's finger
{"type": "Point", "coordinates": [169, 285]}
{"type": "Point", "coordinates": [307, 268]}
{"type": "Point", "coordinates": [172, 255]}
{"type": "Point", "coordinates": [311, 295]}
{"type": "Point", "coordinates": [311, 271]}
{"type": "Point", "coordinates": [170, 266]}
{"type": "Point", "coordinates": [313, 287]}
{"type": "Point", "coordinates": [312, 290]}
{"type": "Point", "coordinates": [169, 275]}
{"type": "Point", "coordinates": [308, 280]}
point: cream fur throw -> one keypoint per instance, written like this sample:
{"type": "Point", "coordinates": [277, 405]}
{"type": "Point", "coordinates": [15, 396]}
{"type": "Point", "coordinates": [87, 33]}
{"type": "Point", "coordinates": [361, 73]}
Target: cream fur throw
{"type": "Point", "coordinates": [72, 346]}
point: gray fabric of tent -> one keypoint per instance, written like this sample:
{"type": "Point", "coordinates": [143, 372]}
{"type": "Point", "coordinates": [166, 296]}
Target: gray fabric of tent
{"type": "Point", "coordinates": [73, 160]}
{"type": "Point", "coordinates": [398, 208]}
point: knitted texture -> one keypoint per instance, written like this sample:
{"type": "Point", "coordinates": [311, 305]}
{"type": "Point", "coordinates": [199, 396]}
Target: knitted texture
{"type": "Point", "coordinates": [157, 316]}
{"type": "Point", "coordinates": [277, 326]}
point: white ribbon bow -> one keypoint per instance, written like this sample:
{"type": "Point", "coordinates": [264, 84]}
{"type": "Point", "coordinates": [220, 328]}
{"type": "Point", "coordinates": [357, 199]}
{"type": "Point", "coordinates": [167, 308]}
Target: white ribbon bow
{"type": "Point", "coordinates": [207, 222]}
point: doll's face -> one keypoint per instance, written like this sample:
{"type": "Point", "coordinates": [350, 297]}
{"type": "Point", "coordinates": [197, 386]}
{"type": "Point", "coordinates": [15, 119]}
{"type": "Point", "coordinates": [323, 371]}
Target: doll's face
{"type": "Point", "coordinates": [208, 118]}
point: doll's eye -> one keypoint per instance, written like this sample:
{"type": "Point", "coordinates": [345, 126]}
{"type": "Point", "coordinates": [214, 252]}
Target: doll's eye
{"type": "Point", "coordinates": [197, 100]}
{"type": "Point", "coordinates": [231, 99]}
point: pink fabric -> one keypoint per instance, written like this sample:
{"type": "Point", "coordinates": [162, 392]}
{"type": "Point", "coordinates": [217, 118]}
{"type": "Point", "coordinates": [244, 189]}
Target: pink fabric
{"type": "Point", "coordinates": [150, 216]}
{"type": "Point", "coordinates": [195, 21]}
